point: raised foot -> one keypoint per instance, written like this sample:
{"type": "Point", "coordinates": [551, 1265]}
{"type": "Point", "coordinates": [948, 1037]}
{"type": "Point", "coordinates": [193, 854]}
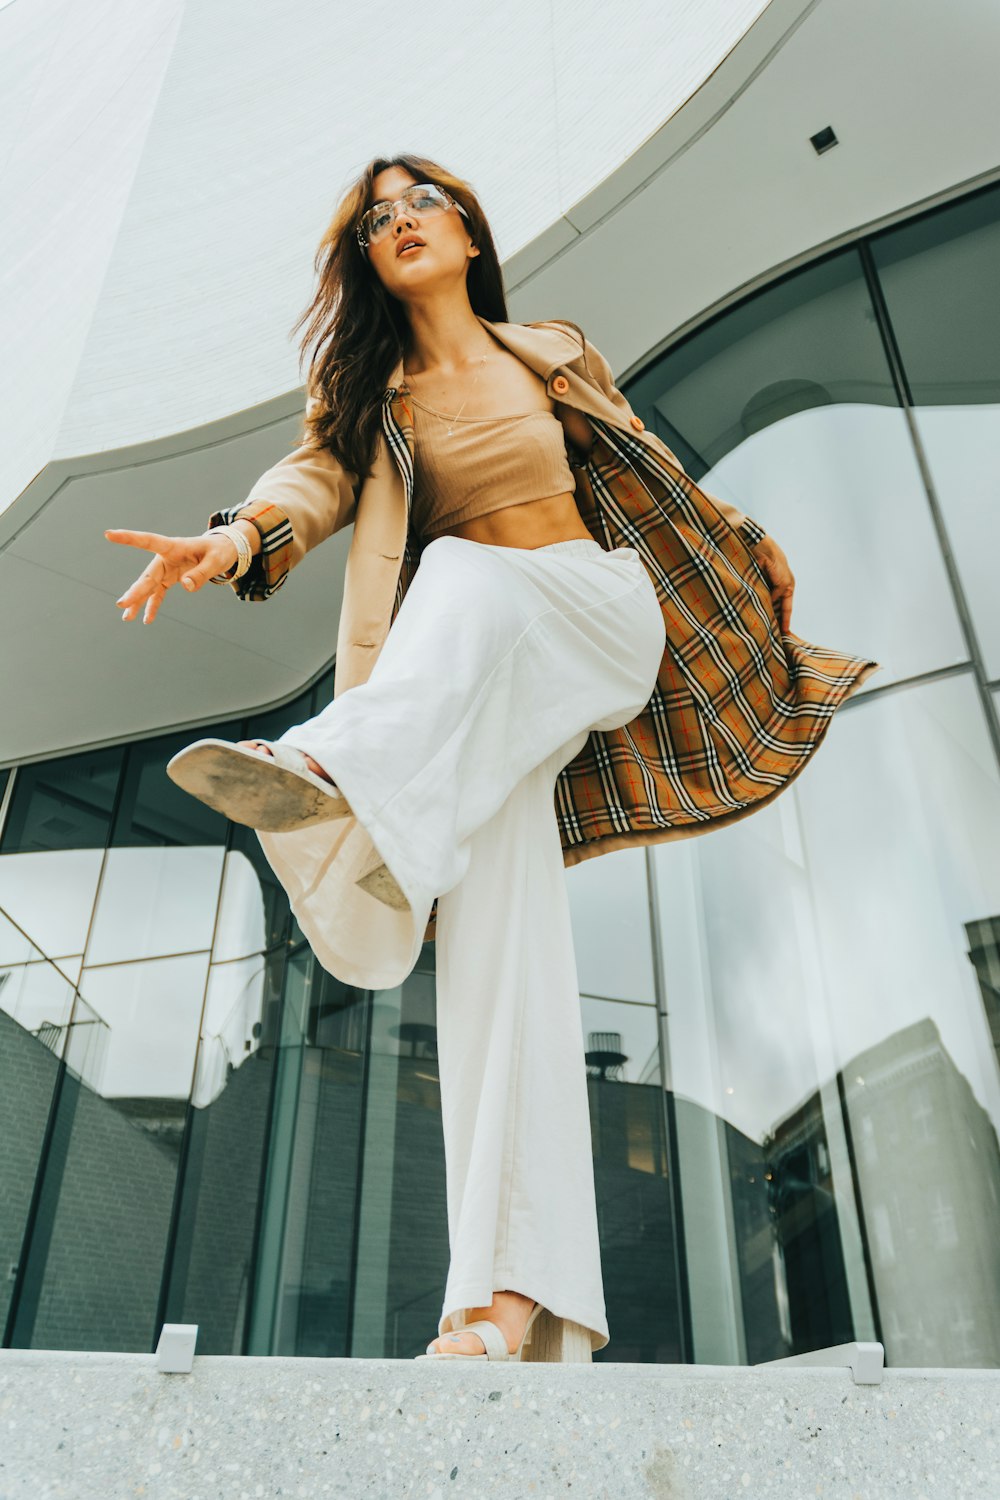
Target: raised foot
{"type": "Point", "coordinates": [265, 750]}
{"type": "Point", "coordinates": [509, 1310]}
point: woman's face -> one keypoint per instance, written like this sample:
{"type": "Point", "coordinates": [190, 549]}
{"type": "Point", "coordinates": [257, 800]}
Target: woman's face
{"type": "Point", "coordinates": [446, 249]}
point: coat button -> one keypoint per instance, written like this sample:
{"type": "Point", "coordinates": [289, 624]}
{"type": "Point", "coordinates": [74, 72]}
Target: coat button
{"type": "Point", "coordinates": [560, 385]}
{"type": "Point", "coordinates": [637, 423]}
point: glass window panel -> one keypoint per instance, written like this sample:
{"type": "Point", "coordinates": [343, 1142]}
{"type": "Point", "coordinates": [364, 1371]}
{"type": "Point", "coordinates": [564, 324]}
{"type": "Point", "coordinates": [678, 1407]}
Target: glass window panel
{"type": "Point", "coordinates": [94, 1264]}
{"type": "Point", "coordinates": [322, 692]}
{"type": "Point", "coordinates": [51, 896]}
{"type": "Point", "coordinates": [272, 723]}
{"type": "Point", "coordinates": [302, 1302]}
{"type": "Point", "coordinates": [38, 995]}
{"type": "Point", "coordinates": [627, 1054]}
{"type": "Point", "coordinates": [961, 445]}
{"type": "Point", "coordinates": [243, 919]}
{"type": "Point", "coordinates": [63, 804]}
{"type": "Point", "coordinates": [88, 1044]}
{"type": "Point", "coordinates": [940, 276]}
{"type": "Point", "coordinates": [152, 808]}
{"type": "Point", "coordinates": [784, 406]}
{"type": "Point", "coordinates": [15, 946]}
{"type": "Point", "coordinates": [402, 1247]}
{"type": "Point", "coordinates": [941, 281]}
{"type": "Point", "coordinates": [609, 907]}
{"type": "Point", "coordinates": [827, 966]}
{"type": "Point", "coordinates": [279, 926]}
{"type": "Point", "coordinates": [210, 1281]}
{"type": "Point", "coordinates": [154, 901]}
{"type": "Point", "coordinates": [28, 1071]}
{"type": "Point", "coordinates": [231, 1025]}
{"type": "Point", "coordinates": [634, 1204]}
{"type": "Point", "coordinates": [840, 490]}
{"type": "Point", "coordinates": [152, 1011]}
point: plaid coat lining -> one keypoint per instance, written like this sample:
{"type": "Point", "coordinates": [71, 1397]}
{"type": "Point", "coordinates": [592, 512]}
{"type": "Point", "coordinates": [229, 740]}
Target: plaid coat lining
{"type": "Point", "coordinates": [739, 708]}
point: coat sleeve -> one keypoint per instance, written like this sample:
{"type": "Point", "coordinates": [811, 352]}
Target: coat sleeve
{"type": "Point", "coordinates": [296, 504]}
{"type": "Point", "coordinates": [749, 529]}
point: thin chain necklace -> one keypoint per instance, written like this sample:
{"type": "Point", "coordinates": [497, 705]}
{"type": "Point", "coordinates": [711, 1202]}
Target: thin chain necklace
{"type": "Point", "coordinates": [455, 418]}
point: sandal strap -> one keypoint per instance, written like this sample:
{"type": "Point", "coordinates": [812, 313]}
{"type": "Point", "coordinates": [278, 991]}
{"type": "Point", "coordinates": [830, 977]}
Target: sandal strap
{"type": "Point", "coordinates": [285, 756]}
{"type": "Point", "coordinates": [496, 1344]}
{"type": "Point", "coordinates": [291, 759]}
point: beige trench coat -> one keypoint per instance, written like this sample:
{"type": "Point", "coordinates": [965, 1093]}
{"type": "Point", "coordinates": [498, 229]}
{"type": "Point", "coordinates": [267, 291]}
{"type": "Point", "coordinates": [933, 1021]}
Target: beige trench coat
{"type": "Point", "coordinates": [740, 707]}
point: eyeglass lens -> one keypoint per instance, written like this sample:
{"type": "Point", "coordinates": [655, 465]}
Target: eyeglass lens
{"type": "Point", "coordinates": [423, 198]}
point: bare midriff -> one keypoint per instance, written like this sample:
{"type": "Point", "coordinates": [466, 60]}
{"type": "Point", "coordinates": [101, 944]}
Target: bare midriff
{"type": "Point", "coordinates": [530, 524]}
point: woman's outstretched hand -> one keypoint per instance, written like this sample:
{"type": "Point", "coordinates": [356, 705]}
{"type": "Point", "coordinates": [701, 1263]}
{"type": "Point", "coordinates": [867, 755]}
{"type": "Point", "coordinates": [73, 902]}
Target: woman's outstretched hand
{"type": "Point", "coordinates": [781, 580]}
{"type": "Point", "coordinates": [188, 560]}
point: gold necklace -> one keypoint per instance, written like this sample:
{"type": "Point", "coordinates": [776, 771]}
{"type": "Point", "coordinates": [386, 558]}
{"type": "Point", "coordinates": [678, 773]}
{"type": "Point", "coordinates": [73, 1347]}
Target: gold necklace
{"type": "Point", "coordinates": [455, 418]}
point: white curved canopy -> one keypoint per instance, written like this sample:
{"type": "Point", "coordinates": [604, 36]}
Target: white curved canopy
{"type": "Point", "coordinates": [165, 173]}
{"type": "Point", "coordinates": [170, 169]}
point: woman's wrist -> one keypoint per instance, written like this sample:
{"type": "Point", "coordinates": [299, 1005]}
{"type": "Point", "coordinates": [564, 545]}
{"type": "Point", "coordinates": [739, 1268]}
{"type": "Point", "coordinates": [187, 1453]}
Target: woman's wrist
{"type": "Point", "coordinates": [251, 533]}
{"type": "Point", "coordinates": [235, 537]}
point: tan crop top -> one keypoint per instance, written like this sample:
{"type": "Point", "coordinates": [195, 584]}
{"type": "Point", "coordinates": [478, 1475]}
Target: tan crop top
{"type": "Point", "coordinates": [485, 464]}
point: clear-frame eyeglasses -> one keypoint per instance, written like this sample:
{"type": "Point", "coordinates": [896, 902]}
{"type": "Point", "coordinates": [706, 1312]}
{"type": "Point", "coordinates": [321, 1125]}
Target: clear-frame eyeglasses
{"type": "Point", "coordinates": [423, 198]}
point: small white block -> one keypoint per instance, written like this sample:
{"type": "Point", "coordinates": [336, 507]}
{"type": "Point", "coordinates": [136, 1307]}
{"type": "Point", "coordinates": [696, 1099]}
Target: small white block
{"type": "Point", "coordinates": [175, 1348]}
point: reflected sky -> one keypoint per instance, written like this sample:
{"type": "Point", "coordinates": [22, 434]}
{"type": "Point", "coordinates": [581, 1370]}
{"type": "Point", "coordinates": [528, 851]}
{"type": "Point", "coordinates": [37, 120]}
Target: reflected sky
{"type": "Point", "coordinates": [835, 918]}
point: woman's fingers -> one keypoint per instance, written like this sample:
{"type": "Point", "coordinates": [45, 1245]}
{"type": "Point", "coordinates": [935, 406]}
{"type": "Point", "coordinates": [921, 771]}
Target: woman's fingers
{"type": "Point", "coordinates": [152, 541]}
{"type": "Point", "coordinates": [153, 603]}
{"type": "Point", "coordinates": [152, 577]}
{"type": "Point", "coordinates": [780, 578]}
{"type": "Point", "coordinates": [191, 561]}
{"type": "Point", "coordinates": [200, 572]}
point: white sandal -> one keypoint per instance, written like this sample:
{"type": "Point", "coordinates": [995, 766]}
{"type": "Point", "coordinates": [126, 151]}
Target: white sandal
{"type": "Point", "coordinates": [276, 793]}
{"type": "Point", "coordinates": [492, 1337]}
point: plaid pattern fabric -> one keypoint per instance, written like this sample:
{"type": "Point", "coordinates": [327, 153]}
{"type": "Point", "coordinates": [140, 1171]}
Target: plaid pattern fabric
{"type": "Point", "coordinates": [739, 708]}
{"type": "Point", "coordinates": [269, 567]}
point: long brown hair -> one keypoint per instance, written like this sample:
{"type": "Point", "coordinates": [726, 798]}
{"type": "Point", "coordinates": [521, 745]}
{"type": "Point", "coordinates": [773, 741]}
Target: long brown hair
{"type": "Point", "coordinates": [359, 330]}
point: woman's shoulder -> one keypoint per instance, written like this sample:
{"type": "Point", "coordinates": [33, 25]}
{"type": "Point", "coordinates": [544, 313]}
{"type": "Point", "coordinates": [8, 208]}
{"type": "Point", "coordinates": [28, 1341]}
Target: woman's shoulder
{"type": "Point", "coordinates": [589, 352]}
{"type": "Point", "coordinates": [560, 323]}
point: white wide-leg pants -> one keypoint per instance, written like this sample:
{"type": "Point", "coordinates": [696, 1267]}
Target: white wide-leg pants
{"type": "Point", "coordinates": [499, 663]}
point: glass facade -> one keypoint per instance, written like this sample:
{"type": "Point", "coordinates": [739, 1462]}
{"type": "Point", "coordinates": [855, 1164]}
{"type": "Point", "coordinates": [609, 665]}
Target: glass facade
{"type": "Point", "coordinates": [792, 1025]}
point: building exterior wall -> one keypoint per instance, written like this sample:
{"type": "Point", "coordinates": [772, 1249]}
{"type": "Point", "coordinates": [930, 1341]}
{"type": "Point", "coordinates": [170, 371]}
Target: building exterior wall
{"type": "Point", "coordinates": [790, 1024]}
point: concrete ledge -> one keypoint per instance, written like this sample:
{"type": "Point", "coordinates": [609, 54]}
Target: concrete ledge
{"type": "Point", "coordinates": [113, 1426]}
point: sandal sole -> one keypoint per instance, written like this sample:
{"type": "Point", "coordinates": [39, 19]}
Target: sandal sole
{"type": "Point", "coordinates": [248, 787]}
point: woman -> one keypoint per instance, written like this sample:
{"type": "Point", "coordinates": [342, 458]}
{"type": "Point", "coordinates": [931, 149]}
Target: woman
{"type": "Point", "coordinates": [533, 700]}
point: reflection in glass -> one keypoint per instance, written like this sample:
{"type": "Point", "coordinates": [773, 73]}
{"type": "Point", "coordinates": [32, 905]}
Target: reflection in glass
{"type": "Point", "coordinates": [63, 804]}
{"type": "Point", "coordinates": [93, 1264]}
{"type": "Point", "coordinates": [232, 1024]}
{"type": "Point", "coordinates": [50, 896]}
{"type": "Point", "coordinates": [154, 901]}
{"type": "Point", "coordinates": [152, 1011]}
{"type": "Point", "coordinates": [635, 1210]}
{"type": "Point", "coordinates": [805, 1020]}
{"type": "Point", "coordinates": [212, 1273]}
{"type": "Point", "coordinates": [38, 995]}
{"type": "Point", "coordinates": [815, 1160]}
{"type": "Point", "coordinates": [153, 809]}
{"type": "Point", "coordinates": [950, 347]}
{"type": "Point", "coordinates": [786, 408]}
{"type": "Point", "coordinates": [301, 1301]}
{"type": "Point", "coordinates": [242, 927]}
{"type": "Point", "coordinates": [609, 909]}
